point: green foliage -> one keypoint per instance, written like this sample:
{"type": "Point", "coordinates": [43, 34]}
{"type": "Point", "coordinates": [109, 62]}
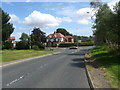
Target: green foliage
{"type": "Point", "coordinates": [24, 37]}
{"type": "Point", "coordinates": [76, 38]}
{"type": "Point", "coordinates": [63, 31]}
{"type": "Point", "coordinates": [12, 55]}
{"type": "Point", "coordinates": [8, 44]}
{"type": "Point", "coordinates": [108, 60]}
{"type": "Point", "coordinates": [107, 25]}
{"type": "Point", "coordinates": [39, 45]}
{"type": "Point", "coordinates": [89, 43]}
{"type": "Point", "coordinates": [67, 44]}
{"type": "Point", "coordinates": [35, 47]}
{"type": "Point", "coordinates": [22, 45]}
{"type": "Point", "coordinates": [7, 28]}
{"type": "Point", "coordinates": [38, 38]}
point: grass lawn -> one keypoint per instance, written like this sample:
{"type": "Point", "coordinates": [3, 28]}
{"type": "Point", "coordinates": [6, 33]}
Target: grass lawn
{"type": "Point", "coordinates": [10, 55]}
{"type": "Point", "coordinates": [109, 62]}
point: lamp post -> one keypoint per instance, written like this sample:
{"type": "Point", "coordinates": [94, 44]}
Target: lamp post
{"type": "Point", "coordinates": [77, 39]}
{"type": "Point", "coordinates": [29, 40]}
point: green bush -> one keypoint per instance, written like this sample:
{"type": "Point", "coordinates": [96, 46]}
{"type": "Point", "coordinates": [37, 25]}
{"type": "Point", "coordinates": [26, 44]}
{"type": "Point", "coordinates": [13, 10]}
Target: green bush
{"type": "Point", "coordinates": [7, 45]}
{"type": "Point", "coordinates": [35, 47]}
{"type": "Point", "coordinates": [22, 45]}
{"type": "Point", "coordinates": [89, 43]}
{"type": "Point", "coordinates": [67, 44]}
{"type": "Point", "coordinates": [40, 45]}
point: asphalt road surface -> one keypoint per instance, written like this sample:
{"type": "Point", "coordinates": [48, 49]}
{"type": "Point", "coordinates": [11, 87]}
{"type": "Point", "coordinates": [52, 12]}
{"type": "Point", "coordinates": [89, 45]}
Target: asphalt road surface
{"type": "Point", "coordinates": [63, 70]}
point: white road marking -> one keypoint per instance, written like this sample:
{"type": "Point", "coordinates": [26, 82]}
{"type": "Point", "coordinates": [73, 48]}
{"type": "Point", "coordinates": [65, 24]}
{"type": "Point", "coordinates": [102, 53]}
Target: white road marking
{"type": "Point", "coordinates": [14, 81]}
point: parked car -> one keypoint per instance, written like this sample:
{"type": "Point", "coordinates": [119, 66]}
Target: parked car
{"type": "Point", "coordinates": [73, 47]}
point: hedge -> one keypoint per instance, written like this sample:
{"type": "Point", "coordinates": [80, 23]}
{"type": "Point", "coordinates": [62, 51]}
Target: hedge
{"type": "Point", "coordinates": [89, 43]}
{"type": "Point", "coordinates": [67, 44]}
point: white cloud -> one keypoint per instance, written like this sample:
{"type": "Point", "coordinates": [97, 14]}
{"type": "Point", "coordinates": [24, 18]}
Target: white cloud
{"type": "Point", "coordinates": [112, 3]}
{"type": "Point", "coordinates": [41, 20]}
{"type": "Point", "coordinates": [67, 11]}
{"type": "Point", "coordinates": [14, 17]}
{"type": "Point", "coordinates": [28, 0]}
{"type": "Point", "coordinates": [85, 13]}
{"type": "Point", "coordinates": [23, 28]}
{"type": "Point", "coordinates": [66, 19]}
{"type": "Point", "coordinates": [84, 31]}
{"type": "Point", "coordinates": [81, 16]}
{"type": "Point", "coordinates": [84, 21]}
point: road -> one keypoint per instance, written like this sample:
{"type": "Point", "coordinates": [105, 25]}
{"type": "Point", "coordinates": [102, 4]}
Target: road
{"type": "Point", "coordinates": [63, 70]}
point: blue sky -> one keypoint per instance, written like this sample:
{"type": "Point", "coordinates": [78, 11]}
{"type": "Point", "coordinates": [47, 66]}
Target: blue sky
{"type": "Point", "coordinates": [49, 16]}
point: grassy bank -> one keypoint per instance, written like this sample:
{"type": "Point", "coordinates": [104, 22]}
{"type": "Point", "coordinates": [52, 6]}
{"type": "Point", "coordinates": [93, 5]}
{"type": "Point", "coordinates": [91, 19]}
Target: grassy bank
{"type": "Point", "coordinates": [11, 55]}
{"type": "Point", "coordinates": [109, 62]}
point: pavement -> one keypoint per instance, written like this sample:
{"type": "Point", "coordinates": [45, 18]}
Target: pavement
{"type": "Point", "coordinates": [61, 70]}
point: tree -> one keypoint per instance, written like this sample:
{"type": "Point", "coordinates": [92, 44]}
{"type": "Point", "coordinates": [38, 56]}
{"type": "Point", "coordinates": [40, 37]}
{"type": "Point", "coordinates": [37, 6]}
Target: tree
{"type": "Point", "coordinates": [107, 25]}
{"type": "Point", "coordinates": [24, 43]}
{"type": "Point", "coordinates": [117, 23]}
{"type": "Point", "coordinates": [24, 37]}
{"type": "Point", "coordinates": [63, 31]}
{"type": "Point", "coordinates": [7, 27]}
{"type": "Point", "coordinates": [76, 38]}
{"type": "Point", "coordinates": [38, 37]}
{"type": "Point", "coordinates": [7, 44]}
{"type": "Point", "coordinates": [102, 24]}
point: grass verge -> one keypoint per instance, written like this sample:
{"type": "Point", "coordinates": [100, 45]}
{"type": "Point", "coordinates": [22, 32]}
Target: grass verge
{"type": "Point", "coordinates": [109, 62]}
{"type": "Point", "coordinates": [11, 55]}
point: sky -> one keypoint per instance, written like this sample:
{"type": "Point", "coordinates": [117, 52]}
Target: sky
{"type": "Point", "coordinates": [75, 17]}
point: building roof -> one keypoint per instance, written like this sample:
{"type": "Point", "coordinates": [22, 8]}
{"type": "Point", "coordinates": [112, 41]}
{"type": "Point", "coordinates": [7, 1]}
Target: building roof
{"type": "Point", "coordinates": [12, 37]}
{"type": "Point", "coordinates": [56, 35]}
{"type": "Point", "coordinates": [68, 37]}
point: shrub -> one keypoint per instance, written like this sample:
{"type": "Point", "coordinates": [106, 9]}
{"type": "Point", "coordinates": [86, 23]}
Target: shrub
{"type": "Point", "coordinates": [89, 43]}
{"type": "Point", "coordinates": [22, 45]}
{"type": "Point", "coordinates": [67, 44]}
{"type": "Point", "coordinates": [35, 47]}
{"type": "Point", "coordinates": [40, 45]}
{"type": "Point", "coordinates": [7, 45]}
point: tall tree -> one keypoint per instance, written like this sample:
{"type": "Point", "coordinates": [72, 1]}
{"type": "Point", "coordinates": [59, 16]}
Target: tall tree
{"type": "Point", "coordinates": [38, 37]}
{"type": "Point", "coordinates": [24, 37]}
{"type": "Point", "coordinates": [7, 27]}
{"type": "Point", "coordinates": [63, 31]}
{"type": "Point", "coordinates": [101, 24]}
{"type": "Point", "coordinates": [117, 23]}
{"type": "Point", "coordinates": [107, 25]}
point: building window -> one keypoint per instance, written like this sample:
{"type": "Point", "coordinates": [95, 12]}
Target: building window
{"type": "Point", "coordinates": [47, 40]}
{"type": "Point", "coordinates": [61, 39]}
{"type": "Point", "coordinates": [56, 39]}
{"type": "Point", "coordinates": [52, 40]}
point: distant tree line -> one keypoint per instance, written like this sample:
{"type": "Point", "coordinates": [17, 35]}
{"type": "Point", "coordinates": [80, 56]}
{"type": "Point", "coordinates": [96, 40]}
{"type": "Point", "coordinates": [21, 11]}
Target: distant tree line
{"type": "Point", "coordinates": [106, 27]}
